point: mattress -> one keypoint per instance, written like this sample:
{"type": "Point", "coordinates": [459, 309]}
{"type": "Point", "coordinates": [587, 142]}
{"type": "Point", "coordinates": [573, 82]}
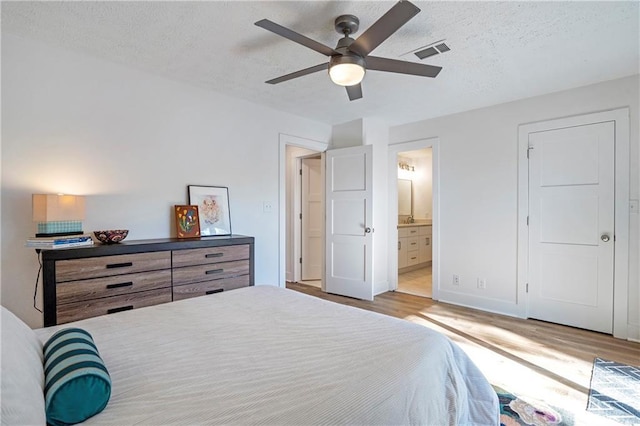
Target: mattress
{"type": "Point", "coordinates": [268, 355]}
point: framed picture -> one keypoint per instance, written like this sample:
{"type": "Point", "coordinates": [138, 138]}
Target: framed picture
{"type": "Point", "coordinates": [213, 205]}
{"type": "Point", "coordinates": [187, 221]}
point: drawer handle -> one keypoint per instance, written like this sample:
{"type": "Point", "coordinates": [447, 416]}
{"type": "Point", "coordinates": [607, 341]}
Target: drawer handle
{"type": "Point", "coordinates": [214, 271]}
{"type": "Point", "coordinates": [123, 308]}
{"type": "Point", "coordinates": [413, 258]}
{"type": "Point", "coordinates": [119, 265]}
{"type": "Point", "coordinates": [413, 244]}
{"type": "Point", "coordinates": [129, 284]}
{"type": "Point", "coordinates": [210, 255]}
{"type": "Point", "coordinates": [217, 290]}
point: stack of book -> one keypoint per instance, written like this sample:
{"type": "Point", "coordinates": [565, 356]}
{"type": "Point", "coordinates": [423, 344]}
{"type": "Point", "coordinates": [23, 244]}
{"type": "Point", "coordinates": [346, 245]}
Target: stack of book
{"type": "Point", "coordinates": [67, 241]}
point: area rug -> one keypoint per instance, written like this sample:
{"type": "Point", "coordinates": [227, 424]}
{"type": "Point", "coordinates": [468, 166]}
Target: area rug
{"type": "Point", "coordinates": [518, 412]}
{"type": "Point", "coordinates": [615, 391]}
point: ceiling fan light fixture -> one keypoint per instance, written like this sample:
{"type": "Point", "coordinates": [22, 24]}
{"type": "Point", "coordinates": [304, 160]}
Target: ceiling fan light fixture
{"type": "Point", "coordinates": [346, 70]}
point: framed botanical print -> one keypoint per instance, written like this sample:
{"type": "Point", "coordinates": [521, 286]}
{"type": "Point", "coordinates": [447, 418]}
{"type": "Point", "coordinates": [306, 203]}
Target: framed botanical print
{"type": "Point", "coordinates": [187, 221]}
{"type": "Point", "coordinates": [213, 206]}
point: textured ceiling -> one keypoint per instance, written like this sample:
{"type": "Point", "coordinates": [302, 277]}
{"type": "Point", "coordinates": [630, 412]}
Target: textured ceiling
{"type": "Point", "coordinates": [500, 51]}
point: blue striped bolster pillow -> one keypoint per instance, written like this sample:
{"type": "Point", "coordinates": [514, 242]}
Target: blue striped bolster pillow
{"type": "Point", "coordinates": [76, 382]}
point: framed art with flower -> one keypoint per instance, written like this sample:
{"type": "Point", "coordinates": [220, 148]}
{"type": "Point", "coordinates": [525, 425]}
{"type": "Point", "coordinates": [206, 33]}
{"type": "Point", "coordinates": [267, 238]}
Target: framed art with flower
{"type": "Point", "coordinates": [213, 206]}
{"type": "Point", "coordinates": [187, 221]}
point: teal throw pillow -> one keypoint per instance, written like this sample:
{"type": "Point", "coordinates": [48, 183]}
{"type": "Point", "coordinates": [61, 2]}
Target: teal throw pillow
{"type": "Point", "coordinates": [76, 382]}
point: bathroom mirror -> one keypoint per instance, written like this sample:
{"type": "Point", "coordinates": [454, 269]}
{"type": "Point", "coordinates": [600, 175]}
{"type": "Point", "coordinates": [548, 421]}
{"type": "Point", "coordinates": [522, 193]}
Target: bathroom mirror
{"type": "Point", "coordinates": [405, 205]}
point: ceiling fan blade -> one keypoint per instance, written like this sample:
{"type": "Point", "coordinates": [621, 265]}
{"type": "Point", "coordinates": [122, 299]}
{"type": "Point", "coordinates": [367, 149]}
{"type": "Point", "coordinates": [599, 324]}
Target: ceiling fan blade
{"type": "Point", "coordinates": [388, 24]}
{"type": "Point", "coordinates": [300, 73]}
{"type": "Point", "coordinates": [401, 67]}
{"type": "Point", "coordinates": [296, 37]}
{"type": "Point", "coordinates": [354, 92]}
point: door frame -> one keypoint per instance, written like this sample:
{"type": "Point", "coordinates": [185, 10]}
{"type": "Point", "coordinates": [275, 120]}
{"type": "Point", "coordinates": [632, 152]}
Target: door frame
{"type": "Point", "coordinates": [284, 141]}
{"type": "Point", "coordinates": [620, 117]}
{"type": "Point", "coordinates": [393, 151]}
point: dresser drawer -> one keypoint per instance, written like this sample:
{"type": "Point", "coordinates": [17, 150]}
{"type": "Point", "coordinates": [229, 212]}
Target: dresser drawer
{"type": "Point", "coordinates": [209, 287]}
{"type": "Point", "coordinates": [77, 291]}
{"type": "Point", "coordinates": [109, 305]}
{"type": "Point", "coordinates": [210, 255]}
{"type": "Point", "coordinates": [105, 266]}
{"type": "Point", "coordinates": [215, 271]}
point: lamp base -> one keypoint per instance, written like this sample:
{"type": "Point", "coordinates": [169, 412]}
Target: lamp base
{"type": "Point", "coordinates": [61, 227]}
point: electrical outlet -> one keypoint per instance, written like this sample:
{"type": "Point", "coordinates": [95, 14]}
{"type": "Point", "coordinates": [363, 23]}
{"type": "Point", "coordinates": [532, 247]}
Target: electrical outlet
{"type": "Point", "coordinates": [482, 283]}
{"type": "Point", "coordinates": [456, 279]}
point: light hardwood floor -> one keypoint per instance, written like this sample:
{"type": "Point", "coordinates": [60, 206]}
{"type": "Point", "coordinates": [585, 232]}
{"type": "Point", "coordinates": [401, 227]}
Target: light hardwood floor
{"type": "Point", "coordinates": [535, 360]}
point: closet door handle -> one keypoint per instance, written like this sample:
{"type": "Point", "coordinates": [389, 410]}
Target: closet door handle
{"type": "Point", "coordinates": [399, 245]}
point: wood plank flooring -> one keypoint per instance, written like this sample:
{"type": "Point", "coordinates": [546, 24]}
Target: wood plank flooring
{"type": "Point", "coordinates": [535, 360]}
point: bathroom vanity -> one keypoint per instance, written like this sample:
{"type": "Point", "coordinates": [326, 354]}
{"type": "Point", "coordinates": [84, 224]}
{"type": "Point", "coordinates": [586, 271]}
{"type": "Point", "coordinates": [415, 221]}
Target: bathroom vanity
{"type": "Point", "coordinates": [414, 246]}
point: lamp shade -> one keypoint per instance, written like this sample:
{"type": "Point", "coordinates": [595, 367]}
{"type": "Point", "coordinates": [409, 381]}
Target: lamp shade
{"type": "Point", "coordinates": [57, 207]}
{"type": "Point", "coordinates": [346, 70]}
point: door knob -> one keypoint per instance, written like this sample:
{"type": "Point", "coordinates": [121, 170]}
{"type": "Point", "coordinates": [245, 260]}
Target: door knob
{"type": "Point", "coordinates": [604, 237]}
{"type": "Point", "coordinates": [367, 230]}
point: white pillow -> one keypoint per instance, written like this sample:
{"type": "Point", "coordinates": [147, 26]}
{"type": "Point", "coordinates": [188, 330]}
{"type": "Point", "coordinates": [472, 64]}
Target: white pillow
{"type": "Point", "coordinates": [22, 373]}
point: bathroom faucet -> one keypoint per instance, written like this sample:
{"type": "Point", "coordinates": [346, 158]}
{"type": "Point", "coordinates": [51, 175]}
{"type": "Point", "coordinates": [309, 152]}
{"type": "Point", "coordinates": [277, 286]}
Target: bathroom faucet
{"type": "Point", "coordinates": [410, 219]}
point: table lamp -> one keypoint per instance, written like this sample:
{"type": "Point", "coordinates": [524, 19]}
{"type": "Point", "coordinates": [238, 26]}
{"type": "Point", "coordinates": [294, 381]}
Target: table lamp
{"type": "Point", "coordinates": [58, 214]}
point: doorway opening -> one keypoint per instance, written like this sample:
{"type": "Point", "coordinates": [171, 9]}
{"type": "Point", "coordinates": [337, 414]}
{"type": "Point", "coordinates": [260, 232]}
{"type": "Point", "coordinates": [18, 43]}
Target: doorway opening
{"type": "Point", "coordinates": [415, 221]}
{"type": "Point", "coordinates": [311, 219]}
{"type": "Point", "coordinates": [304, 187]}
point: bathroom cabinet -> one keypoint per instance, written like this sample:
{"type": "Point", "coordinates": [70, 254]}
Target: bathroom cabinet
{"type": "Point", "coordinates": [414, 246]}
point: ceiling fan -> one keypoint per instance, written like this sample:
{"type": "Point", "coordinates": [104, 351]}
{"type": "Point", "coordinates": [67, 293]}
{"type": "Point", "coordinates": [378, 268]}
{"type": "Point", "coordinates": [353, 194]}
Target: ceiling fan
{"type": "Point", "coordinates": [350, 58]}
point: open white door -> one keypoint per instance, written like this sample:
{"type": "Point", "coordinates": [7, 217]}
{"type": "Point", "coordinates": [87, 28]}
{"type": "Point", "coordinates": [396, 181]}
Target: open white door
{"type": "Point", "coordinates": [312, 218]}
{"type": "Point", "coordinates": [349, 210]}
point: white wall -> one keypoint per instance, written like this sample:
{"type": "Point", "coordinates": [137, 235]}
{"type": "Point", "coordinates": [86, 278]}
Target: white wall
{"type": "Point", "coordinates": [131, 142]}
{"type": "Point", "coordinates": [478, 189]}
{"type": "Point", "coordinates": [376, 133]}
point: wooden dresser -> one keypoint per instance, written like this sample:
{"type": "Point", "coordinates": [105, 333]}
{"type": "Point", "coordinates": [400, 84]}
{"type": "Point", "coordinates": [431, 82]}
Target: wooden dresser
{"type": "Point", "coordinates": [86, 282]}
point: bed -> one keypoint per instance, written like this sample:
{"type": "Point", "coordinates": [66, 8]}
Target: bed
{"type": "Point", "coordinates": [268, 355]}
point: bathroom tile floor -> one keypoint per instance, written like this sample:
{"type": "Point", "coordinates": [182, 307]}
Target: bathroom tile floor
{"type": "Point", "coordinates": [416, 282]}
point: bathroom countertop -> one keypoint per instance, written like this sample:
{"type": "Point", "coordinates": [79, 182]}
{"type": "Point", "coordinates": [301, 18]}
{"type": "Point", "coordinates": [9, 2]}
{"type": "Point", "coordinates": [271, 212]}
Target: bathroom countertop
{"type": "Point", "coordinates": [408, 225]}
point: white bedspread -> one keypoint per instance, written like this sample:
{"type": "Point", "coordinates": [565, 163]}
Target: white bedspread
{"type": "Point", "coordinates": [266, 355]}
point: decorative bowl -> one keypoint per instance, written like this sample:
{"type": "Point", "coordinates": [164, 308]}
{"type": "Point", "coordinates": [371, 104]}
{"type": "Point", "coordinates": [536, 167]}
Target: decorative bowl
{"type": "Point", "coordinates": [111, 236]}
